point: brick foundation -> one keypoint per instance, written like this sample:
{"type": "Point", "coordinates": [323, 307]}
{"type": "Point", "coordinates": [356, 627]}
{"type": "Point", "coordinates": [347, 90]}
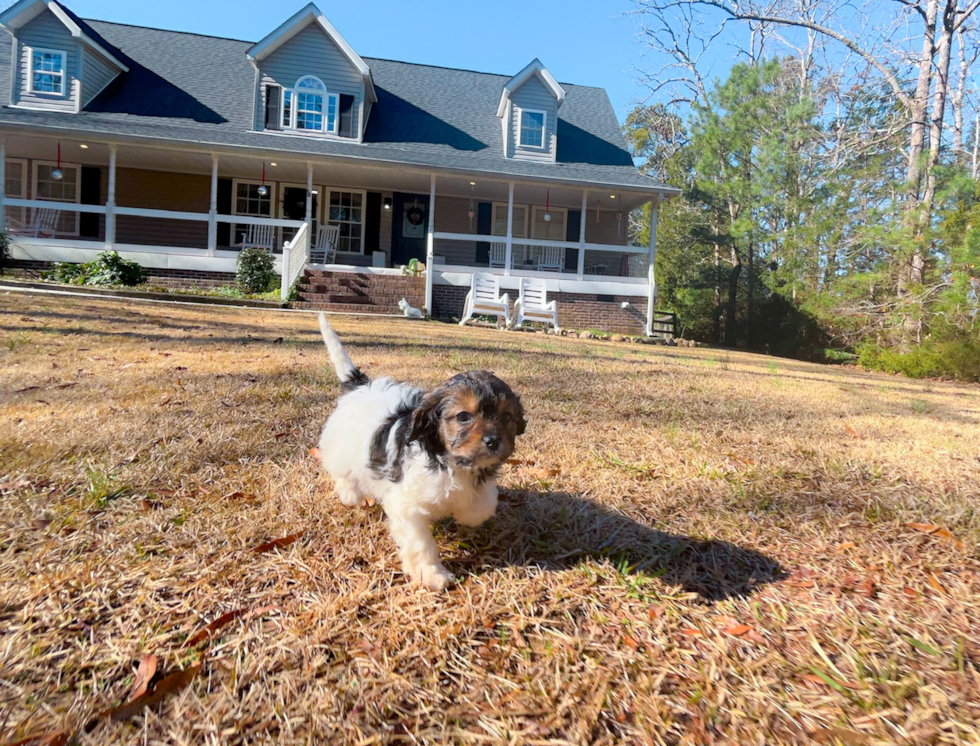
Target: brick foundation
{"type": "Point", "coordinates": [575, 311]}
{"type": "Point", "coordinates": [356, 292]}
{"type": "Point", "coordinates": [170, 278]}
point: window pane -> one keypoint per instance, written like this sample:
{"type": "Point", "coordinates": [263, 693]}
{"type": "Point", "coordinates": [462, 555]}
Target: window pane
{"type": "Point", "coordinates": [48, 72]}
{"type": "Point", "coordinates": [249, 202]}
{"type": "Point", "coordinates": [532, 129]}
{"type": "Point", "coordinates": [14, 186]}
{"type": "Point", "coordinates": [287, 108]}
{"type": "Point", "coordinates": [331, 113]}
{"type": "Point", "coordinates": [346, 213]}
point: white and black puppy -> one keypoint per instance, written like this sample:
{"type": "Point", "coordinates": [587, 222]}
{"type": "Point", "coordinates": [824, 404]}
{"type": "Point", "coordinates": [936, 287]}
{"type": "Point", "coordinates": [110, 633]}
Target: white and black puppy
{"type": "Point", "coordinates": [421, 455]}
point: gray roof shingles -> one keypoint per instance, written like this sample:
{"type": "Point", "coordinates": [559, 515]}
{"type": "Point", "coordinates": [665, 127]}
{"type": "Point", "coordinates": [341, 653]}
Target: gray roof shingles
{"type": "Point", "coordinates": [197, 89]}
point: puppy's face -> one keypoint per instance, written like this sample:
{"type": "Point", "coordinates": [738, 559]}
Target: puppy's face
{"type": "Point", "coordinates": [474, 417]}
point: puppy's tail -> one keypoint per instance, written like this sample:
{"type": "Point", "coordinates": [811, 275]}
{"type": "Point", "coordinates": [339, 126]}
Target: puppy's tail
{"type": "Point", "coordinates": [348, 373]}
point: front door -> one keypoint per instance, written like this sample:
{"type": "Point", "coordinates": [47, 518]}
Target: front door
{"type": "Point", "coordinates": [293, 203]}
{"type": "Point", "coordinates": [411, 225]}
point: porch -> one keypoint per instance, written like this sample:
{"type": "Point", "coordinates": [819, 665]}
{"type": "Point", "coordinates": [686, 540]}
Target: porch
{"type": "Point", "coordinates": [189, 211]}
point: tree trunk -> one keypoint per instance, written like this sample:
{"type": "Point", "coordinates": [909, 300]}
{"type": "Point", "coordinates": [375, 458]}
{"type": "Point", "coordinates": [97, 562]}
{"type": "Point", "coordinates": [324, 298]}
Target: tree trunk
{"type": "Point", "coordinates": [920, 102]}
{"type": "Point", "coordinates": [716, 331]}
{"type": "Point", "coordinates": [958, 95]}
{"type": "Point", "coordinates": [944, 51]}
{"type": "Point", "coordinates": [731, 316]}
{"type": "Point", "coordinates": [750, 305]}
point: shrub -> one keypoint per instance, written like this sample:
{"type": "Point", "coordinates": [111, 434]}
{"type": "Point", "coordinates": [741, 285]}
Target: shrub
{"type": "Point", "coordinates": [108, 269]}
{"type": "Point", "coordinates": [111, 269]}
{"type": "Point", "coordinates": [958, 359]}
{"type": "Point", "coordinates": [4, 252]}
{"type": "Point", "coordinates": [256, 271]}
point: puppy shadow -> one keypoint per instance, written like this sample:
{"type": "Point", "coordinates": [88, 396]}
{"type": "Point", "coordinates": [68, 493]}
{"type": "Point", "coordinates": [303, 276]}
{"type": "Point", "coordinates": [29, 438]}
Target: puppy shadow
{"type": "Point", "coordinates": [556, 531]}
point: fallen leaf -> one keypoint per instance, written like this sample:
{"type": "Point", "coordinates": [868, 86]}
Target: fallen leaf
{"type": "Point", "coordinates": [655, 612]}
{"type": "Point", "coordinates": [755, 637]}
{"type": "Point", "coordinates": [144, 674]}
{"type": "Point", "coordinates": [278, 543]}
{"type": "Point", "coordinates": [58, 738]}
{"type": "Point", "coordinates": [168, 685]}
{"type": "Point", "coordinates": [867, 588]}
{"type": "Point", "coordinates": [315, 453]}
{"type": "Point", "coordinates": [692, 632]}
{"type": "Point", "coordinates": [227, 618]}
{"type": "Point", "coordinates": [850, 431]}
{"type": "Point", "coordinates": [910, 592]}
{"type": "Point", "coordinates": [520, 462]}
{"type": "Point", "coordinates": [738, 630]}
{"type": "Point", "coordinates": [934, 582]}
{"type": "Point", "coordinates": [631, 642]}
{"type": "Point", "coordinates": [846, 545]}
{"type": "Point", "coordinates": [935, 530]}
{"type": "Point", "coordinates": [545, 473]}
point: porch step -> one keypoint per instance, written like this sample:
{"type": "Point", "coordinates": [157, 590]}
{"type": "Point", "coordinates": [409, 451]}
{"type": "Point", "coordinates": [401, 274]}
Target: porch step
{"type": "Point", "coordinates": [352, 292]}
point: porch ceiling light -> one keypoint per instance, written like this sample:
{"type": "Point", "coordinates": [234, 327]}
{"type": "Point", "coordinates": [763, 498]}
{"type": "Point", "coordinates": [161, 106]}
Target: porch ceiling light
{"type": "Point", "coordinates": [274, 165]}
{"type": "Point", "coordinates": [83, 146]}
{"type": "Point", "coordinates": [472, 183]}
{"type": "Point", "coordinates": [387, 203]}
{"type": "Point", "coordinates": [612, 196]}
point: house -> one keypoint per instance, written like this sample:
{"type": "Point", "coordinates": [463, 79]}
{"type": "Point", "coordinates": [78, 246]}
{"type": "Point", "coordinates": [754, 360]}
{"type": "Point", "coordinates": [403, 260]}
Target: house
{"type": "Point", "coordinates": [175, 149]}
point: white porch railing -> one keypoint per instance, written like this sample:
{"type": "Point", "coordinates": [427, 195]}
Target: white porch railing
{"type": "Point", "coordinates": [295, 257]}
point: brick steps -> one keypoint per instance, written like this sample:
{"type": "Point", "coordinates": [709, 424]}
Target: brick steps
{"type": "Point", "coordinates": [349, 292]}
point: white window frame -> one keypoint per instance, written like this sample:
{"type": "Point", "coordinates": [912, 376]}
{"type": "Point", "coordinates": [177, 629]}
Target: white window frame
{"type": "Point", "coordinates": [63, 74]}
{"type": "Point", "coordinates": [18, 213]}
{"type": "Point", "coordinates": [325, 207]}
{"type": "Point", "coordinates": [536, 210]}
{"type": "Point", "coordinates": [78, 189]}
{"type": "Point", "coordinates": [502, 208]}
{"type": "Point", "coordinates": [234, 203]}
{"type": "Point", "coordinates": [329, 99]}
{"type": "Point", "coordinates": [544, 128]}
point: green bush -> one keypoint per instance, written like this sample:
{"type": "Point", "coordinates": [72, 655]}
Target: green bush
{"type": "Point", "coordinates": [4, 252]}
{"type": "Point", "coordinates": [111, 269]}
{"type": "Point", "coordinates": [959, 359]}
{"type": "Point", "coordinates": [256, 271]}
{"type": "Point", "coordinates": [108, 269]}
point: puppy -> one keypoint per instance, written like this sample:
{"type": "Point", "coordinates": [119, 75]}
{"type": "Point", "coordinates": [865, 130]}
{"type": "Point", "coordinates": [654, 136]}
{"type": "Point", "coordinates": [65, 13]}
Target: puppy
{"type": "Point", "coordinates": [421, 455]}
{"type": "Point", "coordinates": [410, 311]}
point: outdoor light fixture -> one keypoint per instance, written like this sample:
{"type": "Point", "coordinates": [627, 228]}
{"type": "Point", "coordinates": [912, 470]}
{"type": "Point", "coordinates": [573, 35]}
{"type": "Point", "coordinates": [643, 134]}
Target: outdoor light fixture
{"type": "Point", "coordinates": [83, 146]}
{"type": "Point", "coordinates": [263, 190]}
{"type": "Point", "coordinates": [387, 203]}
{"type": "Point", "coordinates": [274, 164]}
{"type": "Point", "coordinates": [472, 183]}
{"type": "Point", "coordinates": [58, 174]}
{"type": "Point", "coordinates": [612, 196]}
{"type": "Point", "coordinates": [547, 207]}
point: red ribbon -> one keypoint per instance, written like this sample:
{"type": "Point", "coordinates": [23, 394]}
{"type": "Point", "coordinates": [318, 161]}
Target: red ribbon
{"type": "Point", "coordinates": [59, 155]}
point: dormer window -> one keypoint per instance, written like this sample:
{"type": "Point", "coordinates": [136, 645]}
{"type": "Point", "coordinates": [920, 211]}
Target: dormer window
{"type": "Point", "coordinates": [47, 73]}
{"type": "Point", "coordinates": [308, 107]}
{"type": "Point", "coordinates": [532, 128]}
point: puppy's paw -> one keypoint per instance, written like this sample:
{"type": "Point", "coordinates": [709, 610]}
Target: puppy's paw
{"type": "Point", "coordinates": [433, 577]}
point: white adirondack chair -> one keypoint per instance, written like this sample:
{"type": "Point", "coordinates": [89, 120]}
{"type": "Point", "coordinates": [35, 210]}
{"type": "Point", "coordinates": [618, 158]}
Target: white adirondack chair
{"type": "Point", "coordinates": [45, 222]}
{"type": "Point", "coordinates": [552, 259]}
{"type": "Point", "coordinates": [498, 255]}
{"type": "Point", "coordinates": [484, 299]}
{"type": "Point", "coordinates": [533, 305]}
{"type": "Point", "coordinates": [259, 237]}
{"type": "Point", "coordinates": [324, 251]}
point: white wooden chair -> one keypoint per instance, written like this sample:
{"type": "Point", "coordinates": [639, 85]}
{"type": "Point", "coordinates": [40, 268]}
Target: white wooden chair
{"type": "Point", "coordinates": [498, 255]}
{"type": "Point", "coordinates": [484, 299]}
{"type": "Point", "coordinates": [259, 237]}
{"type": "Point", "coordinates": [533, 305]}
{"type": "Point", "coordinates": [551, 259]}
{"type": "Point", "coordinates": [324, 251]}
{"type": "Point", "coordinates": [45, 222]}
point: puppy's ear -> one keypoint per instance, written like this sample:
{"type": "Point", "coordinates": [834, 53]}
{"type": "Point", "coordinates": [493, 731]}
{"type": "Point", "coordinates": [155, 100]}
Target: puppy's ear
{"type": "Point", "coordinates": [521, 421]}
{"type": "Point", "coordinates": [424, 425]}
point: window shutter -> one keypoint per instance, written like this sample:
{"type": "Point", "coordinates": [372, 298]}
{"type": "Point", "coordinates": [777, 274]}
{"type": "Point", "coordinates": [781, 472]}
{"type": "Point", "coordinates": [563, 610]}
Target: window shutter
{"type": "Point", "coordinates": [273, 97]}
{"type": "Point", "coordinates": [484, 226]}
{"type": "Point", "coordinates": [90, 194]}
{"type": "Point", "coordinates": [573, 230]}
{"type": "Point", "coordinates": [224, 208]}
{"type": "Point", "coordinates": [346, 116]}
{"type": "Point", "coordinates": [372, 223]}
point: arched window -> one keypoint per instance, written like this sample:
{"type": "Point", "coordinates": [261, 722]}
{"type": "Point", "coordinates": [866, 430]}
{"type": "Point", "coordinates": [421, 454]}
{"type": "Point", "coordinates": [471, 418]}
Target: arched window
{"type": "Point", "coordinates": [309, 107]}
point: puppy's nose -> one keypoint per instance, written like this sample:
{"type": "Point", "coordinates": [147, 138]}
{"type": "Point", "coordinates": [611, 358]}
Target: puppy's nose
{"type": "Point", "coordinates": [491, 442]}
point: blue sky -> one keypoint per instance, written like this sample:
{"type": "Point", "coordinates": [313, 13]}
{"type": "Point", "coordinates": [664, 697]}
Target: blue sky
{"type": "Point", "coordinates": [590, 43]}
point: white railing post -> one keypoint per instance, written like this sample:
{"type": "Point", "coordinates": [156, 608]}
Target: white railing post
{"type": "Point", "coordinates": [3, 182]}
{"type": "Point", "coordinates": [581, 234]}
{"type": "Point", "coordinates": [213, 209]}
{"type": "Point", "coordinates": [110, 202]}
{"type": "Point", "coordinates": [509, 253]}
{"type": "Point", "coordinates": [430, 247]}
{"type": "Point", "coordinates": [651, 269]}
{"type": "Point", "coordinates": [285, 282]}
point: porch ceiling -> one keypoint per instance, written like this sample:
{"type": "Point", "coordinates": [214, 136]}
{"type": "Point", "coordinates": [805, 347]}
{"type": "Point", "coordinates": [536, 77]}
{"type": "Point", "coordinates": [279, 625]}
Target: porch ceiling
{"type": "Point", "coordinates": [292, 170]}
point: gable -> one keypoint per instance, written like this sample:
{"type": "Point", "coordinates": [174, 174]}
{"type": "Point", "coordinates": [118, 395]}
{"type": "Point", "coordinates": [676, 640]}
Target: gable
{"type": "Point", "coordinates": [45, 31]}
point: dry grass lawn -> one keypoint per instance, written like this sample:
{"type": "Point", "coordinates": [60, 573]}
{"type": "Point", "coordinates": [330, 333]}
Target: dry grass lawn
{"type": "Point", "coordinates": [697, 547]}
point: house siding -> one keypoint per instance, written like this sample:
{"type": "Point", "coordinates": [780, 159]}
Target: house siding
{"type": "Point", "coordinates": [533, 95]}
{"type": "Point", "coordinates": [161, 190]}
{"type": "Point", "coordinates": [47, 32]}
{"type": "Point", "coordinates": [311, 52]}
{"type": "Point", "coordinates": [96, 75]}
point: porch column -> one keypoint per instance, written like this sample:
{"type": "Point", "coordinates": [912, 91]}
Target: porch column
{"type": "Point", "coordinates": [430, 247]}
{"type": "Point", "coordinates": [3, 181]}
{"type": "Point", "coordinates": [110, 202]}
{"type": "Point", "coordinates": [651, 268]}
{"type": "Point", "coordinates": [309, 210]}
{"type": "Point", "coordinates": [213, 208]}
{"type": "Point", "coordinates": [509, 253]}
{"type": "Point", "coordinates": [581, 234]}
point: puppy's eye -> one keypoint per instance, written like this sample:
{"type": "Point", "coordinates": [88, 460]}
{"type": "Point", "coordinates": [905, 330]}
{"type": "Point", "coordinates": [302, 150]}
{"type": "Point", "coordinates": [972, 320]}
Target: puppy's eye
{"type": "Point", "coordinates": [505, 418]}
{"type": "Point", "coordinates": [464, 417]}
